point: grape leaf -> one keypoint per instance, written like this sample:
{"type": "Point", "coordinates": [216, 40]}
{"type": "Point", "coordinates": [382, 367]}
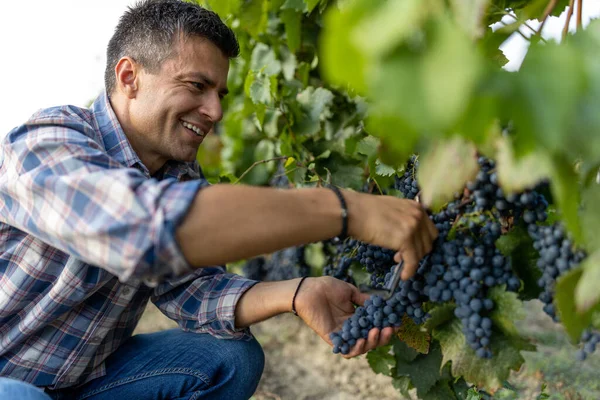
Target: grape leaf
{"type": "Point", "coordinates": [368, 146]}
{"type": "Point", "coordinates": [445, 170]}
{"type": "Point", "coordinates": [264, 60]}
{"type": "Point", "coordinates": [424, 371]}
{"type": "Point", "coordinates": [253, 16]}
{"type": "Point", "coordinates": [311, 4]}
{"type": "Point", "coordinates": [315, 105]}
{"type": "Point", "coordinates": [488, 373]}
{"type": "Point", "coordinates": [587, 294]}
{"type": "Point", "coordinates": [566, 193]}
{"type": "Point", "coordinates": [440, 391]}
{"type": "Point", "coordinates": [402, 384]}
{"type": "Point", "coordinates": [258, 88]}
{"type": "Point", "coordinates": [381, 360]}
{"type": "Point", "coordinates": [519, 247]}
{"type": "Point", "coordinates": [590, 216]}
{"type": "Point", "coordinates": [518, 174]}
{"type": "Point", "coordinates": [565, 299]}
{"type": "Point", "coordinates": [224, 7]}
{"type": "Point", "coordinates": [297, 5]}
{"type": "Point", "coordinates": [440, 315]}
{"type": "Point", "coordinates": [413, 335]}
{"type": "Point", "coordinates": [402, 351]}
{"type": "Point", "coordinates": [292, 21]}
{"type": "Point", "coordinates": [384, 169]}
{"type": "Point", "coordinates": [470, 15]}
{"type": "Point", "coordinates": [507, 309]}
{"type": "Point", "coordinates": [347, 176]}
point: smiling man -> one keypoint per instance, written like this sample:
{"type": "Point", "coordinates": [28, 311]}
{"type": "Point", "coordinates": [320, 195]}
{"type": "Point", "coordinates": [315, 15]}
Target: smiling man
{"type": "Point", "coordinates": [102, 209]}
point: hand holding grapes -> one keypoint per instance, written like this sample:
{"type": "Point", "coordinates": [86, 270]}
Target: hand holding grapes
{"type": "Point", "coordinates": [325, 303]}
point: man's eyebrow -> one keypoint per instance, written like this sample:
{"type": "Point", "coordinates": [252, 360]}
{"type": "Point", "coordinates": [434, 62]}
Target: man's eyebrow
{"type": "Point", "coordinates": [201, 77]}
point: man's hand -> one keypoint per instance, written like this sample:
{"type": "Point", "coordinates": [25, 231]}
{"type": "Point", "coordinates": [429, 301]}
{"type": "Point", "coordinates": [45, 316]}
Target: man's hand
{"type": "Point", "coordinates": [325, 303]}
{"type": "Point", "coordinates": [392, 223]}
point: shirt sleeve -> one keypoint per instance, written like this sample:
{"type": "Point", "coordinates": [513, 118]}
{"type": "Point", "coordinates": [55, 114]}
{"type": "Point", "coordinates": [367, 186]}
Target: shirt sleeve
{"type": "Point", "coordinates": [204, 301]}
{"type": "Point", "coordinates": [61, 186]}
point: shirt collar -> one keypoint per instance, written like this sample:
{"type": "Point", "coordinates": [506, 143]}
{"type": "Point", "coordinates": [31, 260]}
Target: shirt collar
{"type": "Point", "coordinates": [117, 145]}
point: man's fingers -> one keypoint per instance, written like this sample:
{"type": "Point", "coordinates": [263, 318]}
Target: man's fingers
{"type": "Point", "coordinates": [372, 339]}
{"type": "Point", "coordinates": [385, 336]}
{"type": "Point", "coordinates": [358, 349]}
{"type": "Point", "coordinates": [358, 297]}
{"type": "Point", "coordinates": [411, 262]}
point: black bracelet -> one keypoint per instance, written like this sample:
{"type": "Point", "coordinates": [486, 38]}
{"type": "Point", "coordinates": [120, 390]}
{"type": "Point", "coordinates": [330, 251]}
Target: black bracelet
{"type": "Point", "coordinates": [296, 294]}
{"type": "Point", "coordinates": [344, 234]}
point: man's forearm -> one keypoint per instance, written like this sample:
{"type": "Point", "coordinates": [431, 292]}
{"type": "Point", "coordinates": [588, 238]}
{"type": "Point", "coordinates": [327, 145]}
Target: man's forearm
{"type": "Point", "coordinates": [227, 223]}
{"type": "Point", "coordinates": [265, 300]}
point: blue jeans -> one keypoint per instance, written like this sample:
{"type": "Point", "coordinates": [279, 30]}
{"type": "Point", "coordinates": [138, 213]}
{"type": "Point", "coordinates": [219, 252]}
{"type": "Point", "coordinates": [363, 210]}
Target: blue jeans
{"type": "Point", "coordinates": [174, 364]}
{"type": "Point", "coordinates": [12, 389]}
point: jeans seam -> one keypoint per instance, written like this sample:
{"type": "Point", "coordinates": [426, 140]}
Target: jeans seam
{"type": "Point", "coordinates": [164, 371]}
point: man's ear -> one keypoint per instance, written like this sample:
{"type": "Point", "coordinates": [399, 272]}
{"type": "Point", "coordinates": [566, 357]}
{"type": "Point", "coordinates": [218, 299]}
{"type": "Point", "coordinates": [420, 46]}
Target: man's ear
{"type": "Point", "coordinates": [127, 75]}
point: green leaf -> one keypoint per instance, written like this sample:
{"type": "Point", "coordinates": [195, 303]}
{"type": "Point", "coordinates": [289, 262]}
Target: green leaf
{"type": "Point", "coordinates": [253, 16]}
{"type": "Point", "coordinates": [296, 5]}
{"type": "Point", "coordinates": [587, 294]}
{"type": "Point", "coordinates": [516, 175]}
{"type": "Point", "coordinates": [258, 88]}
{"type": "Point", "coordinates": [292, 21]}
{"type": "Point", "coordinates": [402, 352]}
{"type": "Point", "coordinates": [565, 191]}
{"type": "Point", "coordinates": [381, 360]}
{"type": "Point", "coordinates": [440, 315]}
{"type": "Point", "coordinates": [379, 32]}
{"type": "Point", "coordinates": [590, 216]}
{"type": "Point", "coordinates": [368, 146]}
{"type": "Point", "coordinates": [507, 309]}
{"type": "Point", "coordinates": [519, 247]}
{"type": "Point", "coordinates": [265, 150]}
{"type": "Point", "coordinates": [224, 7]}
{"type": "Point", "coordinates": [384, 169]}
{"type": "Point", "coordinates": [413, 335]}
{"type": "Point", "coordinates": [565, 300]}
{"type": "Point", "coordinates": [440, 391]}
{"type": "Point", "coordinates": [311, 4]}
{"type": "Point", "coordinates": [315, 104]}
{"type": "Point", "coordinates": [470, 15]}
{"type": "Point", "coordinates": [424, 371]}
{"type": "Point", "coordinates": [342, 62]}
{"type": "Point", "coordinates": [264, 60]}
{"type": "Point", "coordinates": [347, 176]}
{"type": "Point", "coordinates": [488, 373]}
{"type": "Point", "coordinates": [445, 169]}
{"type": "Point", "coordinates": [402, 384]}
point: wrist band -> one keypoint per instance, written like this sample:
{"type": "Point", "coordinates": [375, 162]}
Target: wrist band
{"type": "Point", "coordinates": [296, 294]}
{"type": "Point", "coordinates": [344, 234]}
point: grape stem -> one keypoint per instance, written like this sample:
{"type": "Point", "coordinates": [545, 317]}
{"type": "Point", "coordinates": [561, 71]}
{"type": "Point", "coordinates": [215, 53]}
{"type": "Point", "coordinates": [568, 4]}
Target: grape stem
{"type": "Point", "coordinates": [547, 12]}
{"type": "Point", "coordinates": [568, 21]}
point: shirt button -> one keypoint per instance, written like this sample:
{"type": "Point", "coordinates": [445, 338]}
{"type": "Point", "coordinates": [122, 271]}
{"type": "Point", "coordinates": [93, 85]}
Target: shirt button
{"type": "Point", "coordinates": [126, 291]}
{"type": "Point", "coordinates": [96, 339]}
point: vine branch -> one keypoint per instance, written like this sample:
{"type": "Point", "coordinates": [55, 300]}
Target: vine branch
{"type": "Point", "coordinates": [565, 31]}
{"type": "Point", "coordinates": [547, 12]}
{"type": "Point", "coordinates": [579, 13]}
{"type": "Point", "coordinates": [256, 163]}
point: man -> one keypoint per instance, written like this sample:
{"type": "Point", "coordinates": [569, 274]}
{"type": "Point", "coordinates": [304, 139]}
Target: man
{"type": "Point", "coordinates": [102, 209]}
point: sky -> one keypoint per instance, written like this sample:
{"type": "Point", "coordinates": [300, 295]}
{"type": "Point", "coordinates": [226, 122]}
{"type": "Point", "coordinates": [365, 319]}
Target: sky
{"type": "Point", "coordinates": [53, 52]}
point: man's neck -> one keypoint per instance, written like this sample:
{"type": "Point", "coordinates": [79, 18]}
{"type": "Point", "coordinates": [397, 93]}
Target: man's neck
{"type": "Point", "coordinates": [153, 162]}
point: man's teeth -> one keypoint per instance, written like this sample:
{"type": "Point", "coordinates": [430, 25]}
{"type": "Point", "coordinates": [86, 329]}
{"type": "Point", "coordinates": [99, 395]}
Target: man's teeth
{"type": "Point", "coordinates": [196, 130]}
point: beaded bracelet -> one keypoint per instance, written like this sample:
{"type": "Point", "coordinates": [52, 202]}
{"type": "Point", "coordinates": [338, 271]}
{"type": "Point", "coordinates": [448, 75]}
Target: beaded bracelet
{"type": "Point", "coordinates": [344, 234]}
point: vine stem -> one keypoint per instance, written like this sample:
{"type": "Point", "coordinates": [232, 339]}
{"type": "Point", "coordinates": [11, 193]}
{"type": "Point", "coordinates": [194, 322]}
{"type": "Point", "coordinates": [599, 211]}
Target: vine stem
{"type": "Point", "coordinates": [256, 163]}
{"type": "Point", "coordinates": [547, 11]}
{"type": "Point", "coordinates": [565, 31]}
{"type": "Point", "coordinates": [526, 25]}
{"type": "Point", "coordinates": [579, 13]}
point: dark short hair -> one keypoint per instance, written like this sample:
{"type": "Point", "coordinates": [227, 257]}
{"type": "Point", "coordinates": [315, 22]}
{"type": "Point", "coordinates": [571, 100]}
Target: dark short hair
{"type": "Point", "coordinates": [147, 30]}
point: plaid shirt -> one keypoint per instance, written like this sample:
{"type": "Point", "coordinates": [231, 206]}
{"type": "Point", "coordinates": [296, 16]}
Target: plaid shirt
{"type": "Point", "coordinates": [87, 236]}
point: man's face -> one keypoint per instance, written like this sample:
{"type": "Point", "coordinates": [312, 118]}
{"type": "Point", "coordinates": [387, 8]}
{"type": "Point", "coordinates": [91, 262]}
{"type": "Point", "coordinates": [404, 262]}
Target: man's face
{"type": "Point", "coordinates": [175, 108]}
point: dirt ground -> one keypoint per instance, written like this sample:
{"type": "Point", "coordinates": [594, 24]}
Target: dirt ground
{"type": "Point", "coordinates": [300, 365]}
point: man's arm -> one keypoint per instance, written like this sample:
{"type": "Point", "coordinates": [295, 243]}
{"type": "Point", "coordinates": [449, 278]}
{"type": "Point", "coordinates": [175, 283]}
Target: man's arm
{"type": "Point", "coordinates": [323, 304]}
{"type": "Point", "coordinates": [227, 223]}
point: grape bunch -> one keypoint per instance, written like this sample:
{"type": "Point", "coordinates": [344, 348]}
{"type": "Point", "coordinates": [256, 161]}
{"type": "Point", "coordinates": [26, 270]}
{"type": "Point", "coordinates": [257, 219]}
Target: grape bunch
{"type": "Point", "coordinates": [407, 183]}
{"type": "Point", "coordinates": [557, 257]}
{"type": "Point", "coordinates": [339, 259]}
{"type": "Point", "coordinates": [279, 178]}
{"type": "Point", "coordinates": [374, 313]}
{"type": "Point", "coordinates": [282, 265]}
{"type": "Point", "coordinates": [463, 265]}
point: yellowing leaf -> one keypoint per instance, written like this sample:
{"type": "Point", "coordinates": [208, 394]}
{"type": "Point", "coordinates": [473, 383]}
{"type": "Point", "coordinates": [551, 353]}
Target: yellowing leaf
{"type": "Point", "coordinates": [445, 170]}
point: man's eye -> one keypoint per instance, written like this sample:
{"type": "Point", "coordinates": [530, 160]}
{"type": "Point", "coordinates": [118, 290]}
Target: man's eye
{"type": "Point", "coordinates": [199, 86]}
